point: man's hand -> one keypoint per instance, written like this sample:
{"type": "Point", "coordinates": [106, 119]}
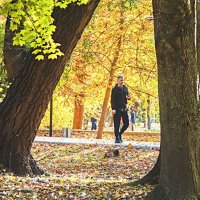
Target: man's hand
{"type": "Point", "coordinates": [113, 112]}
{"type": "Point", "coordinates": [128, 97]}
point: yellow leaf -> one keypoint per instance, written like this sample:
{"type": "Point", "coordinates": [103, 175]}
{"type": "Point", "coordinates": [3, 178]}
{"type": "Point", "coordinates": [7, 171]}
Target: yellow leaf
{"type": "Point", "coordinates": [130, 146]}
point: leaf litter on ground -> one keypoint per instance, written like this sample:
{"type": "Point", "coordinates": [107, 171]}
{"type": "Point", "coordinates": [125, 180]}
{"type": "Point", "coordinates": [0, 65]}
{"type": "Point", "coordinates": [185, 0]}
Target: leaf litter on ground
{"type": "Point", "coordinates": [81, 172]}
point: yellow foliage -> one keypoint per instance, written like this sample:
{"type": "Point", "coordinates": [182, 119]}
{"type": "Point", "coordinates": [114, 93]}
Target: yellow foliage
{"type": "Point", "coordinates": [94, 55]}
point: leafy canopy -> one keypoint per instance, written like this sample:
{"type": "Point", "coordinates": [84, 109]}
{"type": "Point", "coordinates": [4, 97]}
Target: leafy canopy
{"type": "Point", "coordinates": [89, 68]}
{"type": "Point", "coordinates": [33, 24]}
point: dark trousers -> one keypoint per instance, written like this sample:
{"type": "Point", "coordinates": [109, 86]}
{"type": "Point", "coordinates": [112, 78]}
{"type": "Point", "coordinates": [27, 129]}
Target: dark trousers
{"type": "Point", "coordinates": [124, 115]}
{"type": "Point", "coordinates": [94, 126]}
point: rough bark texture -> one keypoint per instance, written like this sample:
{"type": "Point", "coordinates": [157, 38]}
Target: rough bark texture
{"type": "Point", "coordinates": [78, 113]}
{"type": "Point", "coordinates": [179, 105]}
{"type": "Point", "coordinates": [28, 97]}
{"type": "Point", "coordinates": [198, 37]}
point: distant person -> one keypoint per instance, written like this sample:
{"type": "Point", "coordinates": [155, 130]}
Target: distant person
{"type": "Point", "coordinates": [94, 123]}
{"type": "Point", "coordinates": [119, 97]}
{"type": "Point", "coordinates": [133, 119]}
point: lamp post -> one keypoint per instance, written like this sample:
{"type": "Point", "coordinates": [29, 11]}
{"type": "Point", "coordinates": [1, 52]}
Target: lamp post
{"type": "Point", "coordinates": [51, 118]}
{"type": "Point", "coordinates": [148, 114]}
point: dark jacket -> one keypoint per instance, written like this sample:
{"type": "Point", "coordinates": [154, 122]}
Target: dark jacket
{"type": "Point", "coordinates": [118, 97]}
{"type": "Point", "coordinates": [93, 119]}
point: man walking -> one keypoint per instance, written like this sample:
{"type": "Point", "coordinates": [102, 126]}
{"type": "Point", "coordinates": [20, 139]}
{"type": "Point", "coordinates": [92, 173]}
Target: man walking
{"type": "Point", "coordinates": [94, 123]}
{"type": "Point", "coordinates": [119, 97]}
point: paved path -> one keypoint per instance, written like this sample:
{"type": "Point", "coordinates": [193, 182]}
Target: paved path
{"type": "Point", "coordinates": [62, 140]}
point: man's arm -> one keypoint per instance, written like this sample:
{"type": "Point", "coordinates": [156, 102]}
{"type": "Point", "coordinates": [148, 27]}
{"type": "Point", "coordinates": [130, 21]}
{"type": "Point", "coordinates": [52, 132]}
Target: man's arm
{"type": "Point", "coordinates": [113, 101]}
{"type": "Point", "coordinates": [128, 95]}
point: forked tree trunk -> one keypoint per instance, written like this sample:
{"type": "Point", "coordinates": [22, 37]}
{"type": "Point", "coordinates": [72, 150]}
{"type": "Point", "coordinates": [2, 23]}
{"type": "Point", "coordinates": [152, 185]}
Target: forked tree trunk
{"type": "Point", "coordinates": [179, 100]}
{"type": "Point", "coordinates": [78, 113]}
{"type": "Point", "coordinates": [27, 98]}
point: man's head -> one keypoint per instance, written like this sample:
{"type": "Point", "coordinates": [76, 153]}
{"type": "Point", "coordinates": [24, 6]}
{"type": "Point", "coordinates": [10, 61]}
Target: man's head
{"type": "Point", "coordinates": [120, 80]}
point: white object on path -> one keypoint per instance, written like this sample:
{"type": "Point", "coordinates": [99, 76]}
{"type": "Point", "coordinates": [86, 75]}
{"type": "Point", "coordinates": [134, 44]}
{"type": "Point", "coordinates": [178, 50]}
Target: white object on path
{"type": "Point", "coordinates": [61, 140]}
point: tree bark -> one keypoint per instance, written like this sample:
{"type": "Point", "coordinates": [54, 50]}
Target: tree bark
{"type": "Point", "coordinates": [198, 38]}
{"type": "Point", "coordinates": [78, 113]}
{"type": "Point", "coordinates": [174, 24]}
{"type": "Point", "coordinates": [153, 176]}
{"type": "Point", "coordinates": [29, 95]}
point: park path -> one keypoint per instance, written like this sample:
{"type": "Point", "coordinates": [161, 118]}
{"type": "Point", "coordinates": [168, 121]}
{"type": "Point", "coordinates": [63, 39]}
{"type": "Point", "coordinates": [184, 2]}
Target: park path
{"type": "Point", "coordinates": [62, 140]}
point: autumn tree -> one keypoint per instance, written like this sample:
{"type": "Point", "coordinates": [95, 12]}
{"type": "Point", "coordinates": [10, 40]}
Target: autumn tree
{"type": "Point", "coordinates": [28, 96]}
{"type": "Point", "coordinates": [80, 89]}
{"type": "Point", "coordinates": [132, 37]}
{"type": "Point", "coordinates": [112, 70]}
{"type": "Point", "coordinates": [99, 47]}
{"type": "Point", "coordinates": [79, 98]}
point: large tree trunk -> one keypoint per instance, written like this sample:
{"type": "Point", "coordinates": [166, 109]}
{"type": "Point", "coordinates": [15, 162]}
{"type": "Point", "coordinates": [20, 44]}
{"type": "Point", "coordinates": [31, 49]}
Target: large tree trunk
{"type": "Point", "coordinates": [78, 113]}
{"type": "Point", "coordinates": [198, 38]}
{"type": "Point", "coordinates": [28, 97]}
{"type": "Point", "coordinates": [179, 103]}
{"type": "Point", "coordinates": [153, 176]}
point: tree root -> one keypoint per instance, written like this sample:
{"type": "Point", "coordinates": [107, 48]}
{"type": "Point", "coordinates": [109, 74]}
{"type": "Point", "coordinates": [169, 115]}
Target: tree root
{"type": "Point", "coordinates": [160, 193]}
{"type": "Point", "coordinates": [151, 178]}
